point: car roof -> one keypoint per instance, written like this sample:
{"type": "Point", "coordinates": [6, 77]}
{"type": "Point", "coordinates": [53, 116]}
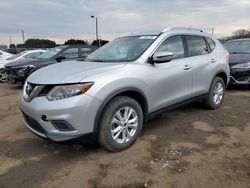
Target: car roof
{"type": "Point", "coordinates": [168, 29]}
{"type": "Point", "coordinates": [37, 50]}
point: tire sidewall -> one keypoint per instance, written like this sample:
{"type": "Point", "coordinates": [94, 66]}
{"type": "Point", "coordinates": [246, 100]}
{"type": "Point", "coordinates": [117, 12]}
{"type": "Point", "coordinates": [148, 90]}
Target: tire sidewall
{"type": "Point", "coordinates": [109, 112]}
{"type": "Point", "coordinates": [211, 92]}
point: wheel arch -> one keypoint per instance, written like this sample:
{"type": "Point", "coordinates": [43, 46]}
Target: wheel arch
{"type": "Point", "coordinates": [134, 93]}
{"type": "Point", "coordinates": [222, 75]}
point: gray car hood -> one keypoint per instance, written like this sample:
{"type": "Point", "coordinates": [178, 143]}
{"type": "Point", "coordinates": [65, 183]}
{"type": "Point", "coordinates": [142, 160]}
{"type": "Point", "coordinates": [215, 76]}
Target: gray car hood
{"type": "Point", "coordinates": [70, 72]}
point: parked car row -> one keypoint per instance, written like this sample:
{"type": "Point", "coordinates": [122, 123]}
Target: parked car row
{"type": "Point", "coordinates": [16, 72]}
{"type": "Point", "coordinates": [29, 54]}
{"type": "Point", "coordinates": [4, 55]}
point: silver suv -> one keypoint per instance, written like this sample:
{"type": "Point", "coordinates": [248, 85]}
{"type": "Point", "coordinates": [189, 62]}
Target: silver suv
{"type": "Point", "coordinates": [124, 84]}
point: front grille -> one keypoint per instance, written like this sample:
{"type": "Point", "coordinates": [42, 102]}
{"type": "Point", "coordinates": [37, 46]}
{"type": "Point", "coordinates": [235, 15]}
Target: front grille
{"type": "Point", "coordinates": [240, 75]}
{"type": "Point", "coordinates": [33, 124]}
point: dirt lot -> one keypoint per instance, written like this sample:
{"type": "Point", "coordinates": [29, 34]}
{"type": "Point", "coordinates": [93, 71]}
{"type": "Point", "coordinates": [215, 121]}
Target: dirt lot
{"type": "Point", "coordinates": [189, 147]}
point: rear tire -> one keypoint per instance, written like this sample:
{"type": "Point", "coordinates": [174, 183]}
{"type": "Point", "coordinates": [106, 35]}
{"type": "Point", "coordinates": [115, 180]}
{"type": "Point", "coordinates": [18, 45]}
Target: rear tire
{"type": "Point", "coordinates": [216, 93]}
{"type": "Point", "coordinates": [120, 124]}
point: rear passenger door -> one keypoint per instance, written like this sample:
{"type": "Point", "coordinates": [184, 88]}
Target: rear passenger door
{"type": "Point", "coordinates": [201, 63]}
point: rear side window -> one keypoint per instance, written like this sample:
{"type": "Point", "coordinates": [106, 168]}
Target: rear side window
{"type": "Point", "coordinates": [32, 55]}
{"type": "Point", "coordinates": [211, 43]}
{"type": "Point", "coordinates": [70, 53]}
{"type": "Point", "coordinates": [196, 45]}
{"type": "Point", "coordinates": [173, 44]}
{"type": "Point", "coordinates": [85, 51]}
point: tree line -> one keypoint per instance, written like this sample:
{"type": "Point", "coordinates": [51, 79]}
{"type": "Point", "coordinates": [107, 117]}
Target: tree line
{"type": "Point", "coordinates": [45, 43]}
{"type": "Point", "coordinates": [238, 34]}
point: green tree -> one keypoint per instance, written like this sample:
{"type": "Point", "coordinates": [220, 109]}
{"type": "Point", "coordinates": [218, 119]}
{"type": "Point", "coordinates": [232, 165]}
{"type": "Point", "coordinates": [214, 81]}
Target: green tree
{"type": "Point", "coordinates": [75, 41]}
{"type": "Point", "coordinates": [39, 43]}
{"type": "Point", "coordinates": [20, 45]}
{"type": "Point", "coordinates": [12, 46]}
{"type": "Point", "coordinates": [103, 42]}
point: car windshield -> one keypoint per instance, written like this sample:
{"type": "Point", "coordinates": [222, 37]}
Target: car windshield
{"type": "Point", "coordinates": [51, 53]}
{"type": "Point", "coordinates": [16, 56]}
{"type": "Point", "coordinates": [238, 47]}
{"type": "Point", "coordinates": [122, 49]}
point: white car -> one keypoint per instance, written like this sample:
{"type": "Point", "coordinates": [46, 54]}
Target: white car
{"type": "Point", "coordinates": [4, 55]}
{"type": "Point", "coordinates": [29, 54]}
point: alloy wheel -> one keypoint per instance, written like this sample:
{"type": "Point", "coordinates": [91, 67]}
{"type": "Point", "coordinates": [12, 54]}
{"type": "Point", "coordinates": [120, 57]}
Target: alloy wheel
{"type": "Point", "coordinates": [124, 125]}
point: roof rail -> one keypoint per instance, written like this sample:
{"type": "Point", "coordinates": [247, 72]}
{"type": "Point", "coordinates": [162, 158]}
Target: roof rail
{"type": "Point", "coordinates": [178, 28]}
{"type": "Point", "coordinates": [126, 34]}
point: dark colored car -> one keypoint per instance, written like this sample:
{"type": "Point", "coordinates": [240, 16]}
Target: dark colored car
{"type": "Point", "coordinates": [18, 71]}
{"type": "Point", "coordinates": [239, 60]}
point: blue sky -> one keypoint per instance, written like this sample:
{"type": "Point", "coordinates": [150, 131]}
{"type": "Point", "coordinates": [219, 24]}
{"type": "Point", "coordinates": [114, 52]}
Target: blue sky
{"type": "Point", "coordinates": [60, 20]}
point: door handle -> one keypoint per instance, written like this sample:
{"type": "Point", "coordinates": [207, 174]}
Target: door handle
{"type": "Point", "coordinates": [213, 60]}
{"type": "Point", "coordinates": [187, 67]}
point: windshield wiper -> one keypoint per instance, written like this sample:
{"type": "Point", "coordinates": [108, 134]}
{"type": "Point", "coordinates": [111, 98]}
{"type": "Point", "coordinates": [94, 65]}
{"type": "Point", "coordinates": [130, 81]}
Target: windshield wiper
{"type": "Point", "coordinates": [94, 60]}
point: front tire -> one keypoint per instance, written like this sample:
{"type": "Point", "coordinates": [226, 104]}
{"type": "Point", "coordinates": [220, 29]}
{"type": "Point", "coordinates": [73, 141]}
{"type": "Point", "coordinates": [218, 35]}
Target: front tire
{"type": "Point", "coordinates": [120, 124]}
{"type": "Point", "coordinates": [216, 93]}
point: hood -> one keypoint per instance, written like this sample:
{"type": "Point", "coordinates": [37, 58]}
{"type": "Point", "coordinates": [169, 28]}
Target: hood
{"type": "Point", "coordinates": [239, 58]}
{"type": "Point", "coordinates": [3, 61]}
{"type": "Point", "coordinates": [25, 62]}
{"type": "Point", "coordinates": [70, 72]}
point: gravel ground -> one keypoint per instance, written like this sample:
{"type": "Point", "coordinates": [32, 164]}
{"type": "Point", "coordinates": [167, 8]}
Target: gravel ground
{"type": "Point", "coordinates": [189, 147]}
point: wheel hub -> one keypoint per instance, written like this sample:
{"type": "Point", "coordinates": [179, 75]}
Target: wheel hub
{"type": "Point", "coordinates": [124, 124]}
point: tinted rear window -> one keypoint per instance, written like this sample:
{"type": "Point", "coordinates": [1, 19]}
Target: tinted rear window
{"type": "Point", "coordinates": [196, 45]}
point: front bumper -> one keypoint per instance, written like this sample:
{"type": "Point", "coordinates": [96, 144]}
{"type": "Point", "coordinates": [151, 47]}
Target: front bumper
{"type": "Point", "coordinates": [79, 112]}
{"type": "Point", "coordinates": [240, 76]}
{"type": "Point", "coordinates": [14, 76]}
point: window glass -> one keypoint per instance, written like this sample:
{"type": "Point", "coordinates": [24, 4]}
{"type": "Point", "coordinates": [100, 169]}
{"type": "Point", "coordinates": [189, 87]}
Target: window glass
{"type": "Point", "coordinates": [32, 55]}
{"type": "Point", "coordinates": [51, 53]}
{"type": "Point", "coordinates": [196, 45]}
{"type": "Point", "coordinates": [1, 53]}
{"type": "Point", "coordinates": [86, 51]}
{"type": "Point", "coordinates": [16, 56]}
{"type": "Point", "coordinates": [173, 44]}
{"type": "Point", "coordinates": [70, 53]}
{"type": "Point", "coordinates": [122, 49]}
{"type": "Point", "coordinates": [211, 43]}
{"type": "Point", "coordinates": [238, 47]}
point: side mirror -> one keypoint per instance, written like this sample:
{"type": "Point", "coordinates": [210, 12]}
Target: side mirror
{"type": "Point", "coordinates": [60, 58]}
{"type": "Point", "coordinates": [163, 57]}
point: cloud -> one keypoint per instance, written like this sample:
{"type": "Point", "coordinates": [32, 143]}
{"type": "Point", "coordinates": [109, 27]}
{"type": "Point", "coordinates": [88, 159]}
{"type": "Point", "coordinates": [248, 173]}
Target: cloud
{"type": "Point", "coordinates": [64, 19]}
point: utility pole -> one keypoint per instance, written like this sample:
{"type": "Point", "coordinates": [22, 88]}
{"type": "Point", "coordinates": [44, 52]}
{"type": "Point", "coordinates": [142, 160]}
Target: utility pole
{"type": "Point", "coordinates": [23, 35]}
{"type": "Point", "coordinates": [212, 30]}
{"type": "Point", "coordinates": [96, 30]}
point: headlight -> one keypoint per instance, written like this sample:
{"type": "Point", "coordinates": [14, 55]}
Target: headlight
{"type": "Point", "coordinates": [21, 72]}
{"type": "Point", "coordinates": [66, 91]}
{"type": "Point", "coordinates": [242, 66]}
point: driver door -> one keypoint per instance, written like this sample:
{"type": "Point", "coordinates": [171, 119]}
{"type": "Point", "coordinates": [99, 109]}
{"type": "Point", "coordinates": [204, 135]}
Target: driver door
{"type": "Point", "coordinates": [172, 81]}
{"type": "Point", "coordinates": [70, 54]}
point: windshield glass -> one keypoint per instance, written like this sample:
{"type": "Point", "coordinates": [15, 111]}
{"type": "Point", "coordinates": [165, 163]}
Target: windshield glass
{"type": "Point", "coordinates": [122, 49]}
{"type": "Point", "coordinates": [52, 52]}
{"type": "Point", "coordinates": [16, 56]}
{"type": "Point", "coordinates": [238, 47]}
